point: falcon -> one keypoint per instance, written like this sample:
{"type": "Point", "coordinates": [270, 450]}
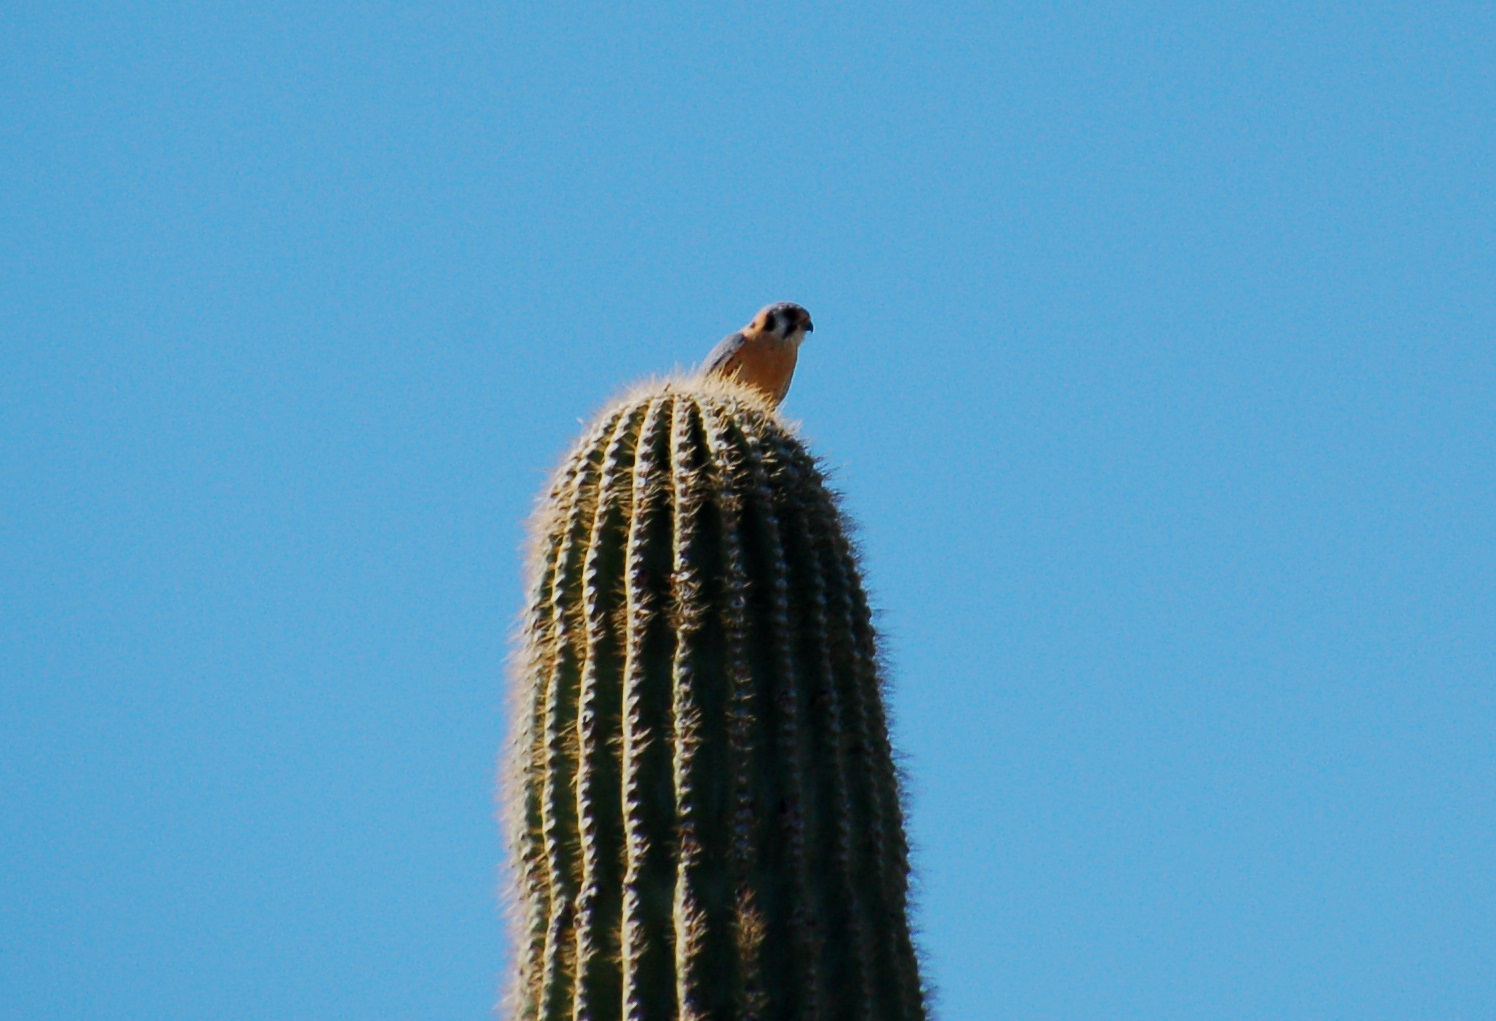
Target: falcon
{"type": "Point", "coordinates": [762, 354]}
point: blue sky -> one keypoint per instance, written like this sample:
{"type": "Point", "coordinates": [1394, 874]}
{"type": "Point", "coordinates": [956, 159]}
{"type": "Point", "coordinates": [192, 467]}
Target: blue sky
{"type": "Point", "coordinates": [1155, 355]}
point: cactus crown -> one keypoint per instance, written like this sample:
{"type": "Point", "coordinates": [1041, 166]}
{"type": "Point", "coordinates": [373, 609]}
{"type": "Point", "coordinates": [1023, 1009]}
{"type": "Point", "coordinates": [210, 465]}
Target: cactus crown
{"type": "Point", "coordinates": [705, 808]}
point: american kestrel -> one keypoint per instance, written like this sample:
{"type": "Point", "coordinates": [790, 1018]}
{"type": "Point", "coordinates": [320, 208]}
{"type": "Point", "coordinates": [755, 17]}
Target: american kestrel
{"type": "Point", "coordinates": [762, 354]}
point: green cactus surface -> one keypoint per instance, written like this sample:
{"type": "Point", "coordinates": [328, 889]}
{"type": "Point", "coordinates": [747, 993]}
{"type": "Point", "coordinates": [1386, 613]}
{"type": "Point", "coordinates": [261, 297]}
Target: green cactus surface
{"type": "Point", "coordinates": [704, 803]}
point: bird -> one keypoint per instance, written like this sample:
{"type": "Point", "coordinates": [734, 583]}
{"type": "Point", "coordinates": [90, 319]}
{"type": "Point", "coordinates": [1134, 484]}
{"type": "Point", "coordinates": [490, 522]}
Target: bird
{"type": "Point", "coordinates": [762, 354]}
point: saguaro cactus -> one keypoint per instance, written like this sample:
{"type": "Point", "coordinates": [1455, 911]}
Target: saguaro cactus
{"type": "Point", "coordinates": [705, 807]}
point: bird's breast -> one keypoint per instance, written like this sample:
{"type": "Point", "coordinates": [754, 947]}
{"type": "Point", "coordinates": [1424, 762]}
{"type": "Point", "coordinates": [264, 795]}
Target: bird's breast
{"type": "Point", "coordinates": [768, 365]}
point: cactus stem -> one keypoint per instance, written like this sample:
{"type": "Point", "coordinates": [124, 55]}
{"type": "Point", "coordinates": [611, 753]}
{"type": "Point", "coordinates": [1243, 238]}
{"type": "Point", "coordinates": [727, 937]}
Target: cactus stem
{"type": "Point", "coordinates": [705, 806]}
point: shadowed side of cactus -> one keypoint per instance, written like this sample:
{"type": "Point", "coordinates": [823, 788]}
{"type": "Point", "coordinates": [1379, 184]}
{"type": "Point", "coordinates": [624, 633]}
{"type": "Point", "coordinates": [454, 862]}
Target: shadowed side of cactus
{"type": "Point", "coordinates": [705, 807]}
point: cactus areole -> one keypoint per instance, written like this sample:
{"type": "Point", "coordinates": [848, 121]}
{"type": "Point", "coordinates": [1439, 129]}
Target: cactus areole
{"type": "Point", "coordinates": [705, 808]}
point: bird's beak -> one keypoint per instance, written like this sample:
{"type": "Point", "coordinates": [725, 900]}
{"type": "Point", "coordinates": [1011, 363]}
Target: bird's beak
{"type": "Point", "coordinates": [810, 327]}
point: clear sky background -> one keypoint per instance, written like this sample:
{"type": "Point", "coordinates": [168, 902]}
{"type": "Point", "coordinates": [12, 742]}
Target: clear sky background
{"type": "Point", "coordinates": [1155, 354]}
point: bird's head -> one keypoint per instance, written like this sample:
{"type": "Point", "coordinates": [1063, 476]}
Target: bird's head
{"type": "Point", "coordinates": [785, 320]}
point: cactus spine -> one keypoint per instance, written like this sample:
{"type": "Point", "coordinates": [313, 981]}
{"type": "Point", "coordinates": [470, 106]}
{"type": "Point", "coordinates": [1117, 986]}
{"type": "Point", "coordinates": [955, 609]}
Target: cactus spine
{"type": "Point", "coordinates": [705, 807]}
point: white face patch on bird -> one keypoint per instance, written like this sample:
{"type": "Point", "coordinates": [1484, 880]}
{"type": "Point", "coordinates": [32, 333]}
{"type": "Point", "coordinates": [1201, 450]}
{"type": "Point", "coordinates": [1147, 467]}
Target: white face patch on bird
{"type": "Point", "coordinates": [785, 320]}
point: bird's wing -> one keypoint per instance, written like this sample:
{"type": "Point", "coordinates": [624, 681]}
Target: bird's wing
{"type": "Point", "coordinates": [723, 352]}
